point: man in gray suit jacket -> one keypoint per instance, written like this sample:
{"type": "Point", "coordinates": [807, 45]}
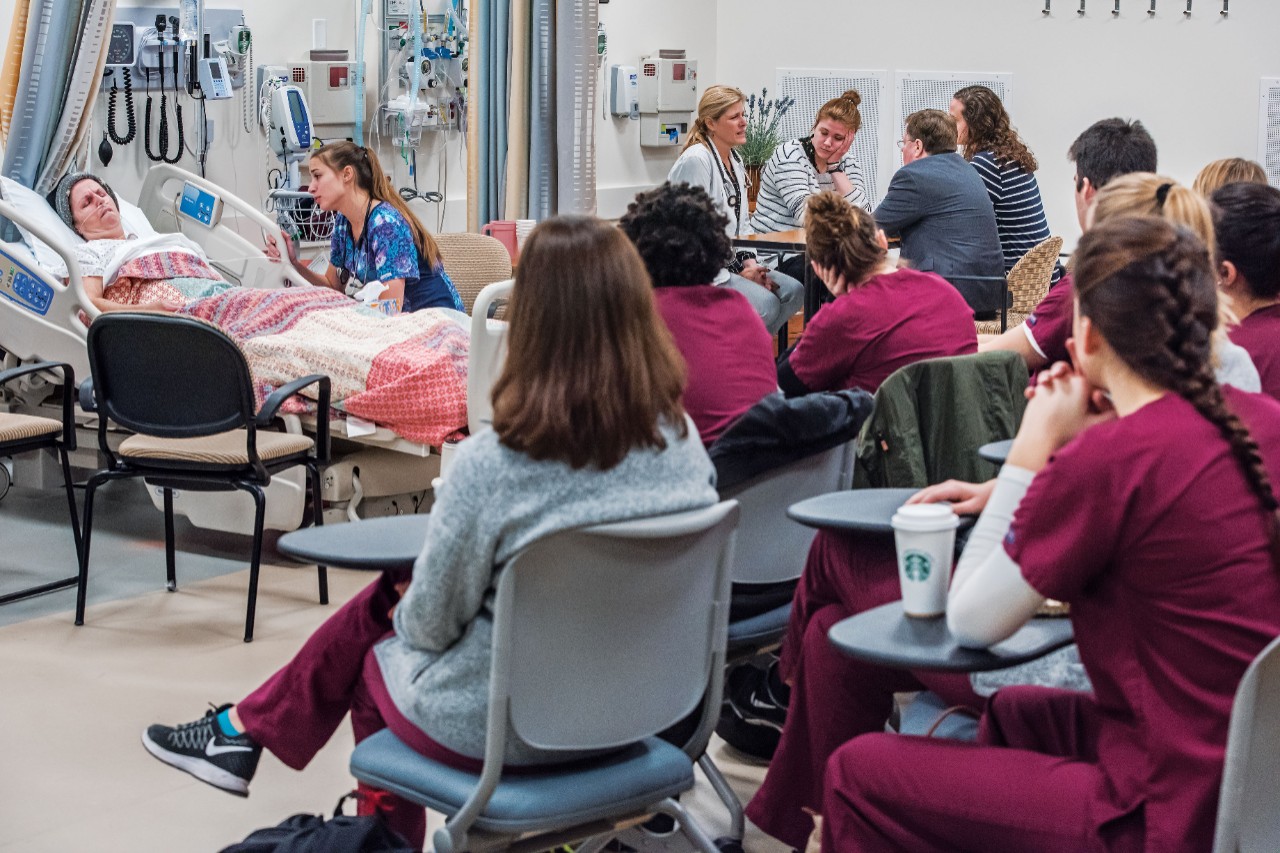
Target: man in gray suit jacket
{"type": "Point", "coordinates": [940, 207]}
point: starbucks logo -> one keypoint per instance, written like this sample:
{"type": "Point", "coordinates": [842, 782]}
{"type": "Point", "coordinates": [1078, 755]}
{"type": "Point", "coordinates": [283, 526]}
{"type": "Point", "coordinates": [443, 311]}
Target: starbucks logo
{"type": "Point", "coordinates": [918, 565]}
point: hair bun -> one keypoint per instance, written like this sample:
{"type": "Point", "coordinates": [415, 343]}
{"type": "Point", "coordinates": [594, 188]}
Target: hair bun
{"type": "Point", "coordinates": [852, 95]}
{"type": "Point", "coordinates": [831, 214]}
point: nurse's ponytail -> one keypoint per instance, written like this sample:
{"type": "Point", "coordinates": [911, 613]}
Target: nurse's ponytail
{"type": "Point", "coordinates": [1148, 287]}
{"type": "Point", "coordinates": [371, 179]}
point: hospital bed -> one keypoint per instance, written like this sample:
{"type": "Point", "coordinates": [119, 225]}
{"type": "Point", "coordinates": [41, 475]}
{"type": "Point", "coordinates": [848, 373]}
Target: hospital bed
{"type": "Point", "coordinates": [375, 472]}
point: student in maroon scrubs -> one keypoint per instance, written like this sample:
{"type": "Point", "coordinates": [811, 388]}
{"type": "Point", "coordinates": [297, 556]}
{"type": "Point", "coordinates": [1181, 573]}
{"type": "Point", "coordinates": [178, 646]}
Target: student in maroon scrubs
{"type": "Point", "coordinates": [680, 234]}
{"type": "Point", "coordinates": [1151, 512]}
{"type": "Point", "coordinates": [1247, 222]}
{"type": "Point", "coordinates": [882, 318]}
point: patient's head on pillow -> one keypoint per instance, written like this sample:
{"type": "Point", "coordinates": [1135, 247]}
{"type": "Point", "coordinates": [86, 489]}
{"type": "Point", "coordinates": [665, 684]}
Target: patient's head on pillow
{"type": "Point", "coordinates": [679, 234]}
{"type": "Point", "coordinates": [591, 371]}
{"type": "Point", "coordinates": [89, 206]}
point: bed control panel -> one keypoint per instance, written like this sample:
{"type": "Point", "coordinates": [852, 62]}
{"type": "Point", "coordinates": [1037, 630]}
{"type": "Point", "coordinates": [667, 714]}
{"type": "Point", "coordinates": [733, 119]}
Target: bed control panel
{"type": "Point", "coordinates": [18, 284]}
{"type": "Point", "coordinates": [200, 205]}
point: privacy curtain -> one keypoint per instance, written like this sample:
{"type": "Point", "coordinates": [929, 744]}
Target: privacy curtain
{"type": "Point", "coordinates": [56, 54]}
{"type": "Point", "coordinates": [531, 132]}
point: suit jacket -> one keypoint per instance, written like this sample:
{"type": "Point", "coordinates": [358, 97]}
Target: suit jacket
{"type": "Point", "coordinates": [940, 207]}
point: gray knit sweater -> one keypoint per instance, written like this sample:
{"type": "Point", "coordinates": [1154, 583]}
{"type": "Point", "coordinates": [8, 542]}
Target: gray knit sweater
{"type": "Point", "coordinates": [494, 502]}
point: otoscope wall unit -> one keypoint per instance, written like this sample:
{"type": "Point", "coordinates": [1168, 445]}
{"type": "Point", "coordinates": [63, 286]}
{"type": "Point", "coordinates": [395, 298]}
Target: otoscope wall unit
{"type": "Point", "coordinates": [142, 49]}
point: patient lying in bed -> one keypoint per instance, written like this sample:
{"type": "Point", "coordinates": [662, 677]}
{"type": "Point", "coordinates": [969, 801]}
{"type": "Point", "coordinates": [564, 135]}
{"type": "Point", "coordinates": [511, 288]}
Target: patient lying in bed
{"type": "Point", "coordinates": [407, 372]}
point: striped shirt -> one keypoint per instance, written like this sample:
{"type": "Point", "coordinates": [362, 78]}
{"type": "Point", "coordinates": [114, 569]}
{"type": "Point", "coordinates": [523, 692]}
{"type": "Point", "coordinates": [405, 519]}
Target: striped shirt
{"type": "Point", "coordinates": [1020, 218]}
{"type": "Point", "coordinates": [787, 181]}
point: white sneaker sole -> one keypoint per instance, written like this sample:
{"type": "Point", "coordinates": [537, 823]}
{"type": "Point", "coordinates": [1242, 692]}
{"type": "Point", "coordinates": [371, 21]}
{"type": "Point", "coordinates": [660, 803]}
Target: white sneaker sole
{"type": "Point", "coordinates": [199, 768]}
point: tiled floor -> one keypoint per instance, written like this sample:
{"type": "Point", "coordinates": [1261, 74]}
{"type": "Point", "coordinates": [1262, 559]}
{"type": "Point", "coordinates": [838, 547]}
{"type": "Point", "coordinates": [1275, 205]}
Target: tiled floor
{"type": "Point", "coordinates": [75, 700]}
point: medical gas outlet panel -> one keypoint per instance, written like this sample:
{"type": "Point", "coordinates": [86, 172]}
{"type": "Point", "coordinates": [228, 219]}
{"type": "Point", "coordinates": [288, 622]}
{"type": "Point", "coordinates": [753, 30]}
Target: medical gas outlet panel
{"type": "Point", "coordinates": [423, 77]}
{"type": "Point", "coordinates": [667, 95]}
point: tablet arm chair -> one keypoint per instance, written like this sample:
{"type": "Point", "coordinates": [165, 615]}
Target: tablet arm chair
{"type": "Point", "coordinates": [23, 433]}
{"type": "Point", "coordinates": [184, 388]}
{"type": "Point", "coordinates": [1248, 811]}
{"type": "Point", "coordinates": [602, 637]}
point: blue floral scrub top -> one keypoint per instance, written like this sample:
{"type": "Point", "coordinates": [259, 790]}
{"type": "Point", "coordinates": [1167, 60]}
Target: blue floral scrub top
{"type": "Point", "coordinates": [386, 251]}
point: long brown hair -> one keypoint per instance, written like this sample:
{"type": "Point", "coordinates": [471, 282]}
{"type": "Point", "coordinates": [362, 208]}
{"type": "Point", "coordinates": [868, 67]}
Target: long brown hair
{"type": "Point", "coordinates": [370, 178]}
{"type": "Point", "coordinates": [1148, 268]}
{"type": "Point", "coordinates": [841, 237]}
{"type": "Point", "coordinates": [990, 130]}
{"type": "Point", "coordinates": [715, 102]}
{"type": "Point", "coordinates": [591, 370]}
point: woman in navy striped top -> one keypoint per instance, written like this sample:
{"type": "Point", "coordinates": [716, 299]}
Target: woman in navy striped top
{"type": "Point", "coordinates": [1007, 167]}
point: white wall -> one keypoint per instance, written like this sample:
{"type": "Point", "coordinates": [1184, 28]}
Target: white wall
{"type": "Point", "coordinates": [1193, 82]}
{"type": "Point", "coordinates": [638, 28]}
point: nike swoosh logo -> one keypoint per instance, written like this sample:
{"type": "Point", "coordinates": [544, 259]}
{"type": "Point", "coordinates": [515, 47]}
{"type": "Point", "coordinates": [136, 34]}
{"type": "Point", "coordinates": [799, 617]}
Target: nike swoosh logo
{"type": "Point", "coordinates": [211, 749]}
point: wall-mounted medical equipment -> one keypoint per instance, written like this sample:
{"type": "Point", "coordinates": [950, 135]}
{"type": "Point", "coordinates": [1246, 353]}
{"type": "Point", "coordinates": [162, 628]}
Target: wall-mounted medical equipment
{"type": "Point", "coordinates": [200, 205]}
{"type": "Point", "coordinates": [284, 115]}
{"type": "Point", "coordinates": [624, 98]}
{"type": "Point", "coordinates": [423, 74]}
{"type": "Point", "coordinates": [215, 79]}
{"type": "Point", "coordinates": [667, 95]}
{"type": "Point", "coordinates": [122, 54]}
{"type": "Point", "coordinates": [330, 91]}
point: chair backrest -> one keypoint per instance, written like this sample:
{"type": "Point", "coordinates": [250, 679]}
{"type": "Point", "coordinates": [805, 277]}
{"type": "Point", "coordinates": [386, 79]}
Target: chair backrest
{"type": "Point", "coordinates": [472, 262]}
{"type": "Point", "coordinates": [486, 355]}
{"type": "Point", "coordinates": [1248, 806]}
{"type": "Point", "coordinates": [931, 417]}
{"type": "Point", "coordinates": [168, 376]}
{"type": "Point", "coordinates": [771, 548]}
{"type": "Point", "coordinates": [1029, 279]}
{"type": "Point", "coordinates": [609, 634]}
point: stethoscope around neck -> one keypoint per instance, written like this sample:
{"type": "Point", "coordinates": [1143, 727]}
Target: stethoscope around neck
{"type": "Point", "coordinates": [359, 243]}
{"type": "Point", "coordinates": [733, 193]}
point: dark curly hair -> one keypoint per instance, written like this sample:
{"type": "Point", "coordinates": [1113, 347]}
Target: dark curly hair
{"type": "Point", "coordinates": [679, 233]}
{"type": "Point", "coordinates": [990, 130]}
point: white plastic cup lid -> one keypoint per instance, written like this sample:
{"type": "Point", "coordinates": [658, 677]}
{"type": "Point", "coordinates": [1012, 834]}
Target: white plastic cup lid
{"type": "Point", "coordinates": [925, 517]}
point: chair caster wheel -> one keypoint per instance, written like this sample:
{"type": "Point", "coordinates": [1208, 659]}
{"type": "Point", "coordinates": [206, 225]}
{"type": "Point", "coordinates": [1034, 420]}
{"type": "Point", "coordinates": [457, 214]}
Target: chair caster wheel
{"type": "Point", "coordinates": [729, 845]}
{"type": "Point", "coordinates": [172, 586]}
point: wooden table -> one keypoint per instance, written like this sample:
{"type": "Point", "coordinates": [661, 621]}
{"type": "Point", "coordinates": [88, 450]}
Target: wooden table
{"type": "Point", "coordinates": [787, 241]}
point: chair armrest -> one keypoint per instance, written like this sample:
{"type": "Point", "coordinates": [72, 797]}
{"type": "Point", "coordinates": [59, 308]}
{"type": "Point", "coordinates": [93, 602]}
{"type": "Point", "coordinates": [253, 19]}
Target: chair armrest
{"type": "Point", "coordinates": [68, 386]}
{"type": "Point", "coordinates": [87, 401]}
{"type": "Point", "coordinates": [272, 405]}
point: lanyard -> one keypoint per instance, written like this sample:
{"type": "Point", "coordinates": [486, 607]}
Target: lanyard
{"type": "Point", "coordinates": [728, 177]}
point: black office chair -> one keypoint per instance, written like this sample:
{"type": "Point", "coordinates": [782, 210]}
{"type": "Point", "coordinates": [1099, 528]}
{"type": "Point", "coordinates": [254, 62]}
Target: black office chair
{"type": "Point", "coordinates": [23, 433]}
{"type": "Point", "coordinates": [184, 388]}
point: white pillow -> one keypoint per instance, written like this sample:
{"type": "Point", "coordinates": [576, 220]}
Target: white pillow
{"type": "Point", "coordinates": [36, 208]}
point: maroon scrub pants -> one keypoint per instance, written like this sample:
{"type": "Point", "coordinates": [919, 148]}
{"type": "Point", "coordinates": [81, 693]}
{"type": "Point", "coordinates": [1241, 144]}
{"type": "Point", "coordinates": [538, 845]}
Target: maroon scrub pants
{"type": "Point", "coordinates": [834, 698]}
{"type": "Point", "coordinates": [1030, 783]}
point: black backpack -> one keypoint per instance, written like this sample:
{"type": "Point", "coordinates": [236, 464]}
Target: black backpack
{"type": "Point", "coordinates": [310, 833]}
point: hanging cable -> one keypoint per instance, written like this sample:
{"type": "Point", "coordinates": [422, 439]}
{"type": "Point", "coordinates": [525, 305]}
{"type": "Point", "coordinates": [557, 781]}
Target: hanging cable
{"type": "Point", "coordinates": [130, 117]}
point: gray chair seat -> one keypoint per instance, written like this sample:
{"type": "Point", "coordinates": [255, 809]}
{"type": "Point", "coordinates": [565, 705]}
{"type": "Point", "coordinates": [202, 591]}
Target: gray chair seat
{"type": "Point", "coordinates": [635, 778]}
{"type": "Point", "coordinates": [760, 628]}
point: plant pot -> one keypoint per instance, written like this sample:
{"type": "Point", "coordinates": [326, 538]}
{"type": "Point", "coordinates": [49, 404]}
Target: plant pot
{"type": "Point", "coordinates": [753, 185]}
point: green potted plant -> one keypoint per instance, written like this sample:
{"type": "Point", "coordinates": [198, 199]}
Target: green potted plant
{"type": "Point", "coordinates": [763, 136]}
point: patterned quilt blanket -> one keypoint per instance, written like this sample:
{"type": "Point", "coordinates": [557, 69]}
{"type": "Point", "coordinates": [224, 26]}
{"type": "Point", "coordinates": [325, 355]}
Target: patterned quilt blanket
{"type": "Point", "coordinates": [407, 372]}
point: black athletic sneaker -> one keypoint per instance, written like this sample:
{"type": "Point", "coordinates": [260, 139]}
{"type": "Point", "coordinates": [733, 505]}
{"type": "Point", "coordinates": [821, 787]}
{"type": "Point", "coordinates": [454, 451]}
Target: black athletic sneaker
{"type": "Point", "coordinates": [201, 749]}
{"type": "Point", "coordinates": [748, 694]}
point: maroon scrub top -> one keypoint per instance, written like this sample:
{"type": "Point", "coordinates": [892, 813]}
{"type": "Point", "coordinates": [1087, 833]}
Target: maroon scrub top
{"type": "Point", "coordinates": [1259, 334]}
{"type": "Point", "coordinates": [728, 352]}
{"type": "Point", "coordinates": [1147, 526]}
{"type": "Point", "coordinates": [888, 322]}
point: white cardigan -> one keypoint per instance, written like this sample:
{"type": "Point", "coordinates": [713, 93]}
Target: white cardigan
{"type": "Point", "coordinates": [697, 166]}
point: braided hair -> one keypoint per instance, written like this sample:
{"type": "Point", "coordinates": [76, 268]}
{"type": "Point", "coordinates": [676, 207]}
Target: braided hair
{"type": "Point", "coordinates": [1147, 267]}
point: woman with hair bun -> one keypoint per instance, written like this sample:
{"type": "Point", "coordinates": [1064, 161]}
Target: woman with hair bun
{"type": "Point", "coordinates": [1007, 168]}
{"type": "Point", "coordinates": [709, 161]}
{"type": "Point", "coordinates": [1140, 492]}
{"type": "Point", "coordinates": [882, 318]}
{"type": "Point", "coordinates": [819, 162]}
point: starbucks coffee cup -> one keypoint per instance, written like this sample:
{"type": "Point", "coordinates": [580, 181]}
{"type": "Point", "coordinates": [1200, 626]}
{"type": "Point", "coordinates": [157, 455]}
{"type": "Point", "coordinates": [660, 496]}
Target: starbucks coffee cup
{"type": "Point", "coordinates": [925, 535]}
